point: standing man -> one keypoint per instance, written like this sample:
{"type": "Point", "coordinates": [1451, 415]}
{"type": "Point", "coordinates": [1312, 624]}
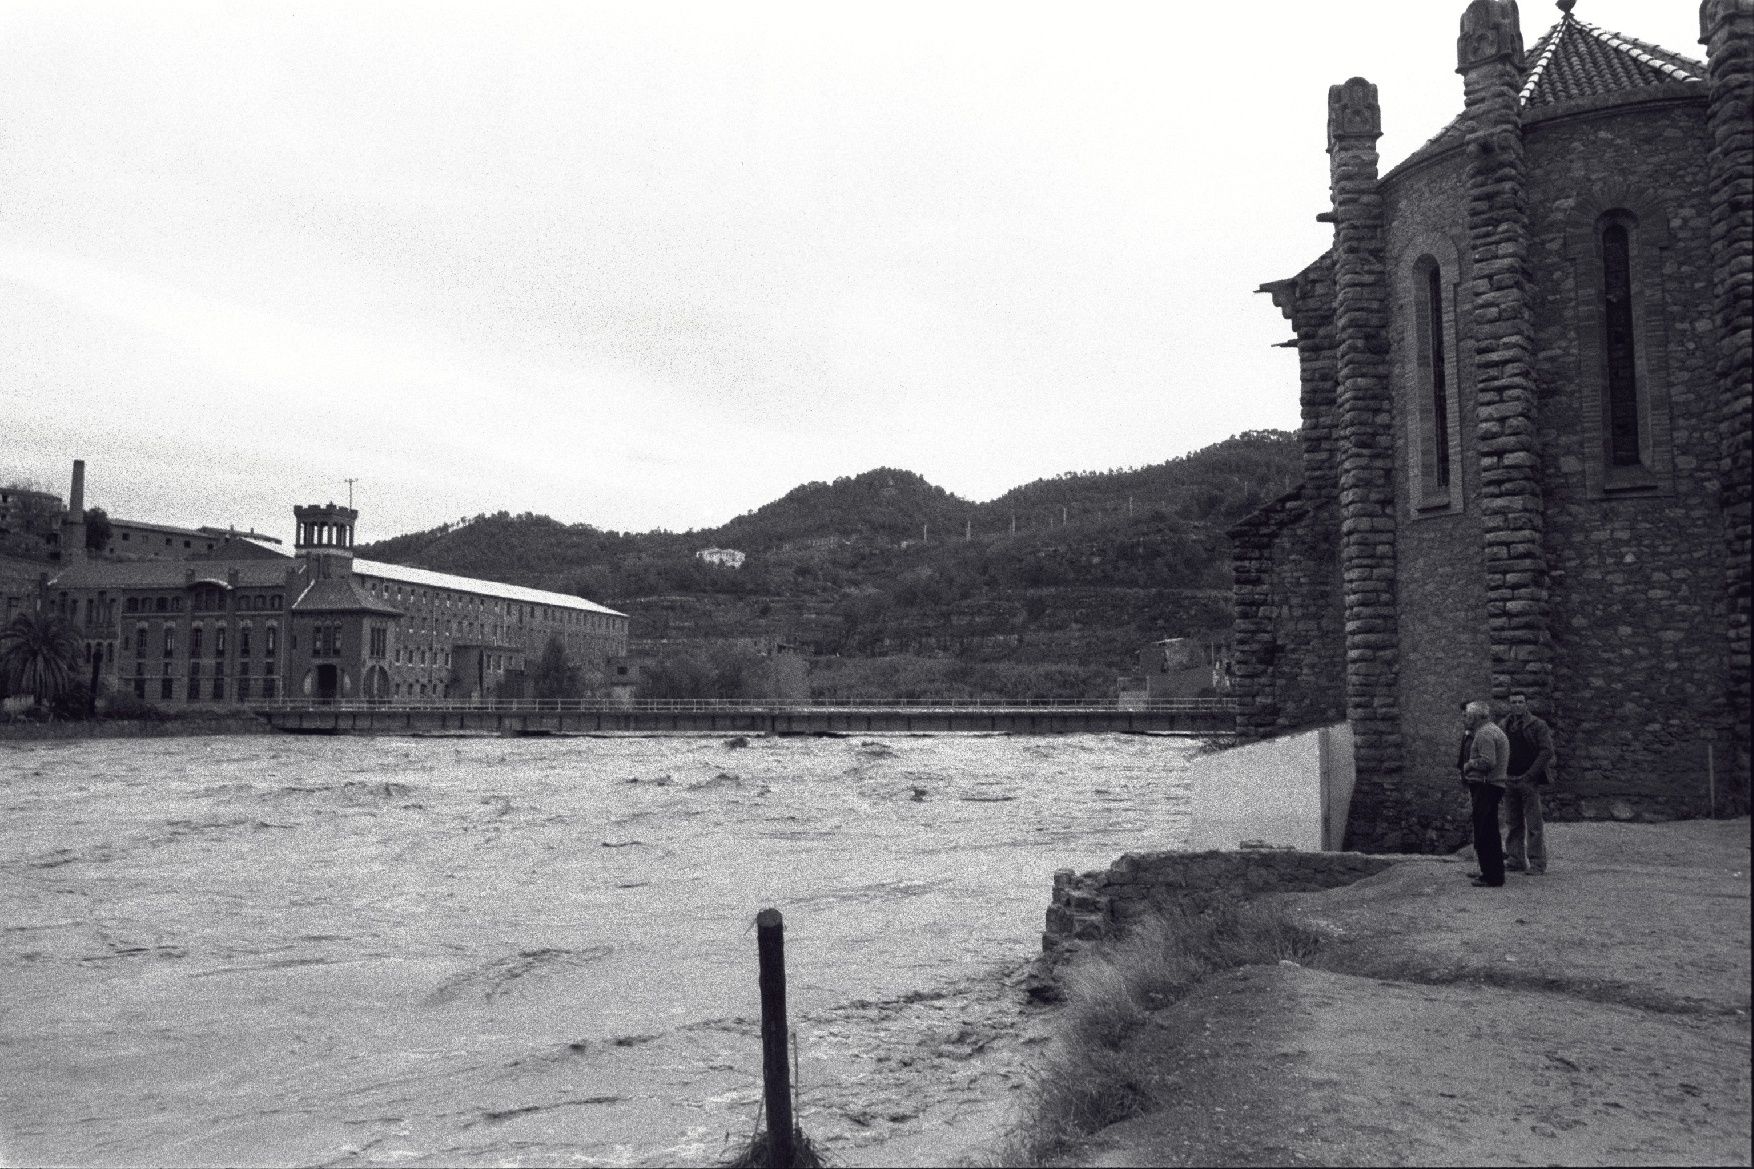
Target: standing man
{"type": "Point", "coordinates": [1488, 764]}
{"type": "Point", "coordinates": [1531, 762]}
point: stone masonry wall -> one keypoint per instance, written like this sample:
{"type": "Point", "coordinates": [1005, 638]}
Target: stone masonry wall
{"type": "Point", "coordinates": [1289, 662]}
{"type": "Point", "coordinates": [1640, 655]}
{"type": "Point", "coordinates": [1726, 28]}
{"type": "Point", "coordinates": [1097, 906]}
{"type": "Point", "coordinates": [1288, 668]}
{"type": "Point", "coordinates": [1444, 641]}
{"type": "Point", "coordinates": [1366, 449]}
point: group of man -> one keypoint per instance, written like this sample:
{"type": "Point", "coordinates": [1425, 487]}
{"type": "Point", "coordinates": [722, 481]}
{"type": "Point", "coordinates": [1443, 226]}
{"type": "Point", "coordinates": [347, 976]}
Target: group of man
{"type": "Point", "coordinates": [1506, 765]}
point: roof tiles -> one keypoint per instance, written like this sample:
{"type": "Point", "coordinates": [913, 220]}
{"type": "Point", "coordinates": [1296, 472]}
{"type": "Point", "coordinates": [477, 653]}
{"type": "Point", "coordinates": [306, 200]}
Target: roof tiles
{"type": "Point", "coordinates": [1576, 61]}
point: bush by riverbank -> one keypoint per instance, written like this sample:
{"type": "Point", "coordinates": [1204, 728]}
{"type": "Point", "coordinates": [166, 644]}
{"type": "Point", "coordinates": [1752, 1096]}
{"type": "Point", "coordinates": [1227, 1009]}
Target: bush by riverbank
{"type": "Point", "coordinates": [1594, 1015]}
{"type": "Point", "coordinates": [1101, 1067]}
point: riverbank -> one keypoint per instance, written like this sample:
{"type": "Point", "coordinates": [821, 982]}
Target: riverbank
{"type": "Point", "coordinates": [1595, 1015]}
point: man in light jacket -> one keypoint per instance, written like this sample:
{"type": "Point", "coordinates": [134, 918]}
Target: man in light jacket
{"type": "Point", "coordinates": [1485, 772]}
{"type": "Point", "coordinates": [1531, 764]}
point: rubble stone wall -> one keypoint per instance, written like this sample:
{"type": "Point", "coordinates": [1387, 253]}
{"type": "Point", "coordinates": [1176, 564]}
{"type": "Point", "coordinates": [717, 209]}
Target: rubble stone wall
{"type": "Point", "coordinates": [1097, 906]}
{"type": "Point", "coordinates": [1637, 618]}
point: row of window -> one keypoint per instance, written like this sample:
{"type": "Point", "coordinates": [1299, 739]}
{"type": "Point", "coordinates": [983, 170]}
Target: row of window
{"type": "Point", "coordinates": [168, 641]}
{"type": "Point", "coordinates": [215, 691]}
{"type": "Point", "coordinates": [217, 670]}
{"type": "Point", "coordinates": [517, 610]}
{"type": "Point", "coordinates": [207, 600]}
{"type": "Point", "coordinates": [1622, 399]}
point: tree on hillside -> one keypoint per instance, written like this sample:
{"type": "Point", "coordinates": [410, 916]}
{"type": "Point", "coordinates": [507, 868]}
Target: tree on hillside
{"type": "Point", "coordinates": [554, 676]}
{"type": "Point", "coordinates": [39, 656]}
{"type": "Point", "coordinates": [97, 529]}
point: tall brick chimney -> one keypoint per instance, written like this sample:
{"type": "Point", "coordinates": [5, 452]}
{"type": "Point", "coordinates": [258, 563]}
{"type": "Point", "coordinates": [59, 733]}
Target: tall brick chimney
{"type": "Point", "coordinates": [73, 523]}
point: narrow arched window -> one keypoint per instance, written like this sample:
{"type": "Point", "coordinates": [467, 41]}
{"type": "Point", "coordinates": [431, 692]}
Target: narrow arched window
{"type": "Point", "coordinates": [1619, 348]}
{"type": "Point", "coordinates": [1427, 385]}
{"type": "Point", "coordinates": [1433, 374]}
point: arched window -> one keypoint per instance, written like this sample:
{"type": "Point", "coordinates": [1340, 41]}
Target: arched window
{"type": "Point", "coordinates": [1426, 381]}
{"type": "Point", "coordinates": [1622, 425]}
{"type": "Point", "coordinates": [1433, 372]}
{"type": "Point", "coordinates": [1620, 245]}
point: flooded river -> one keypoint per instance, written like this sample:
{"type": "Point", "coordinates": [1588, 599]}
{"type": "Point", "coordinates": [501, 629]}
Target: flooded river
{"type": "Point", "coordinates": [481, 951]}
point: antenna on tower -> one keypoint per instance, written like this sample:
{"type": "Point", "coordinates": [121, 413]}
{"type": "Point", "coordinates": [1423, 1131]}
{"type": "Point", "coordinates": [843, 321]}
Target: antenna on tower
{"type": "Point", "coordinates": [350, 484]}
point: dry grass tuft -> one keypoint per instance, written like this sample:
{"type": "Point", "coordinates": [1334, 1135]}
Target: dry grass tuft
{"type": "Point", "coordinates": [1091, 1077]}
{"type": "Point", "coordinates": [757, 1153]}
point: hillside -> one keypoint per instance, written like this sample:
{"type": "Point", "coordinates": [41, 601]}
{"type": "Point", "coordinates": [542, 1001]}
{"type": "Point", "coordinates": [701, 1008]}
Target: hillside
{"type": "Point", "coordinates": [1077, 570]}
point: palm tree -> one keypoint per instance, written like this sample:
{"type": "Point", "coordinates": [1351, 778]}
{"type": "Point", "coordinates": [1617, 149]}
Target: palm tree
{"type": "Point", "coordinates": [39, 655]}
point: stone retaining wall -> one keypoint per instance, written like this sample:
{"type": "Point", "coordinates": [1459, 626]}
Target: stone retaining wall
{"type": "Point", "coordinates": [1097, 906]}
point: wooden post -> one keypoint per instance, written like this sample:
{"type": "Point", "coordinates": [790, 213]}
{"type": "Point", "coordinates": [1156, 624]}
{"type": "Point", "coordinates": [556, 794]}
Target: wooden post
{"type": "Point", "coordinates": [770, 941]}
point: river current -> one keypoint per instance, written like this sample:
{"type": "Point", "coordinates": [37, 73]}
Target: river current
{"type": "Point", "coordinates": [341, 951]}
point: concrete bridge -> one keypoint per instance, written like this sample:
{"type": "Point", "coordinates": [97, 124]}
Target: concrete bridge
{"type": "Point", "coordinates": [1184, 716]}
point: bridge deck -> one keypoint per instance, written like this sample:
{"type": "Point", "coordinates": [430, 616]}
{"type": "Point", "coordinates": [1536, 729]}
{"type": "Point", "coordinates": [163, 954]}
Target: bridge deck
{"type": "Point", "coordinates": [708, 716]}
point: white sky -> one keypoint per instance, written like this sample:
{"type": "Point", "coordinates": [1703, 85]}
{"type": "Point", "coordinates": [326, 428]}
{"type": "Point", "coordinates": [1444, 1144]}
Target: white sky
{"type": "Point", "coordinates": [654, 265]}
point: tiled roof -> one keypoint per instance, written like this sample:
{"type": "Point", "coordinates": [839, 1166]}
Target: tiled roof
{"type": "Point", "coordinates": [278, 570]}
{"type": "Point", "coordinates": [487, 588]}
{"type": "Point", "coordinates": [1576, 61]}
{"type": "Point", "coordinates": [339, 594]}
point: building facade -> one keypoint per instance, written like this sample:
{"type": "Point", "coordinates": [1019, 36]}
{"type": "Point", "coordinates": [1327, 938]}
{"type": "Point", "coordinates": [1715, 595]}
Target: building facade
{"type": "Point", "coordinates": [1525, 385]}
{"type": "Point", "coordinates": [245, 623]}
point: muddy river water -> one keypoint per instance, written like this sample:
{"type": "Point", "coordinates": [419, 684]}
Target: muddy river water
{"type": "Point", "coordinates": [275, 950]}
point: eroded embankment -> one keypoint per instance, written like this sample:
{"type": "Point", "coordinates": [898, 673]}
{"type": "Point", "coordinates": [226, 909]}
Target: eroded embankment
{"type": "Point", "coordinates": [1598, 1014]}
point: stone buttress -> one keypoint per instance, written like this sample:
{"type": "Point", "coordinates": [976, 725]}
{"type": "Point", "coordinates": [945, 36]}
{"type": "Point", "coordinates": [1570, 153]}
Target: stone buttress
{"type": "Point", "coordinates": [1489, 58]}
{"type": "Point", "coordinates": [1365, 447]}
{"type": "Point", "coordinates": [1726, 28]}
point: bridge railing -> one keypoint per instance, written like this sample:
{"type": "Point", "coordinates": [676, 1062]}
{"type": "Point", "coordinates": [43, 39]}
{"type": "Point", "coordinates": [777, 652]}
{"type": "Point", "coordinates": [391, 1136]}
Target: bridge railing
{"type": "Point", "coordinates": [749, 705]}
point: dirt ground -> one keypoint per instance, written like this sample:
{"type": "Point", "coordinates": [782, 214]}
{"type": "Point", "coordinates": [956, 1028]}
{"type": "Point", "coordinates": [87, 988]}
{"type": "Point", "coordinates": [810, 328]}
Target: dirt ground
{"type": "Point", "coordinates": [1597, 1015]}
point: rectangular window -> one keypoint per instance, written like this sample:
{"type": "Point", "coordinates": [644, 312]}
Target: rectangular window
{"type": "Point", "coordinates": [140, 688]}
{"type": "Point", "coordinates": [243, 689]}
{"type": "Point", "coordinates": [164, 687]}
{"type": "Point", "coordinates": [244, 642]}
{"type": "Point", "coordinates": [267, 687]}
{"type": "Point", "coordinates": [219, 642]}
{"type": "Point", "coordinates": [195, 642]}
{"type": "Point", "coordinates": [270, 640]}
{"type": "Point", "coordinates": [170, 640]}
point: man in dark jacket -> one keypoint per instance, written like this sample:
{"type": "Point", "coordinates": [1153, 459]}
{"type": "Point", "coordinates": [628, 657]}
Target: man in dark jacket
{"type": "Point", "coordinates": [1485, 773]}
{"type": "Point", "coordinates": [1531, 765]}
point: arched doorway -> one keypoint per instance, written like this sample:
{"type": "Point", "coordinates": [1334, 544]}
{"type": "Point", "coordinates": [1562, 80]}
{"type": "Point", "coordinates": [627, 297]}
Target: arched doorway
{"type": "Point", "coordinates": [328, 682]}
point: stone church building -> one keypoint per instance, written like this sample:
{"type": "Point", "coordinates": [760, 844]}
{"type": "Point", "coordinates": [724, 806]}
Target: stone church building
{"type": "Point", "coordinates": [1525, 386]}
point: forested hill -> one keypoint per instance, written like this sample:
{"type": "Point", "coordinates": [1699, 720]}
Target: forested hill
{"type": "Point", "coordinates": [872, 563]}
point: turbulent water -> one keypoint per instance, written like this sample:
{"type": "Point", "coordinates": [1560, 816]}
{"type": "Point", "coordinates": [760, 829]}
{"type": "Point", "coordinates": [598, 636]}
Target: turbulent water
{"type": "Point", "coordinates": [482, 951]}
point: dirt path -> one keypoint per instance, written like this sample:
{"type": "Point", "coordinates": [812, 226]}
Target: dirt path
{"type": "Point", "coordinates": [1598, 1015]}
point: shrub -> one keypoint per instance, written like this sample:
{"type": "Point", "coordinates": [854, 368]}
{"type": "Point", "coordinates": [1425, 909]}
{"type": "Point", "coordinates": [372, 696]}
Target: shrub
{"type": "Point", "coordinates": [1092, 1077]}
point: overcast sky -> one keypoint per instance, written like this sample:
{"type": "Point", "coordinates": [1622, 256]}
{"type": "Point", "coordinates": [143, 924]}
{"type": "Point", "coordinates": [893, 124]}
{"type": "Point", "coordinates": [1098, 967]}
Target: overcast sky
{"type": "Point", "coordinates": [644, 265]}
